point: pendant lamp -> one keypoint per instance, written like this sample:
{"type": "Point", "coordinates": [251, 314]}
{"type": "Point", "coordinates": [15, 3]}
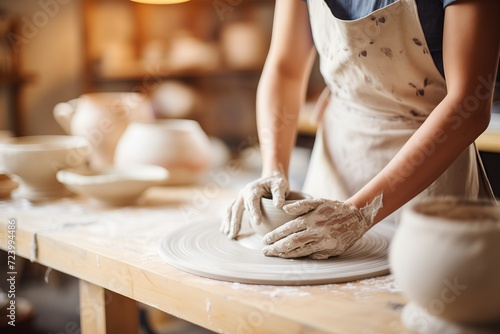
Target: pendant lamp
{"type": "Point", "coordinates": [160, 2]}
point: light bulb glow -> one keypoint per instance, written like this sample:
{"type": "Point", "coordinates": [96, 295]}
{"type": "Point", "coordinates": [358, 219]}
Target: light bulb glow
{"type": "Point", "coordinates": [160, 2]}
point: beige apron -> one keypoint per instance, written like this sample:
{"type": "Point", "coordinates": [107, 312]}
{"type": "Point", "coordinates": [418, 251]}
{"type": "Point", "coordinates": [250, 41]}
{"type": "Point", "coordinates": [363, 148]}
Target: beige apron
{"type": "Point", "coordinates": [384, 84]}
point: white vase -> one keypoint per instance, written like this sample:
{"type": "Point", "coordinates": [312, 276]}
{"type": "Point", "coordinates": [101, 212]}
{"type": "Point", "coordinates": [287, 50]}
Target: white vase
{"type": "Point", "coordinates": [445, 256]}
{"type": "Point", "coordinates": [181, 146]}
{"type": "Point", "coordinates": [102, 118]}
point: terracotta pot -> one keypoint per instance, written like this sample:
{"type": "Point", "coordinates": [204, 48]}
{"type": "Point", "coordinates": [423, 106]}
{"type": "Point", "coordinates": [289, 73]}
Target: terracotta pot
{"type": "Point", "coordinates": [35, 161]}
{"type": "Point", "coordinates": [445, 256]}
{"type": "Point", "coordinates": [273, 217]}
{"type": "Point", "coordinates": [102, 118]}
{"type": "Point", "coordinates": [181, 146]}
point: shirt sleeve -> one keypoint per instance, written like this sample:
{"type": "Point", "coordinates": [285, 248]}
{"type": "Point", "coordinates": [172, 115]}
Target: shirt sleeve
{"type": "Point", "coordinates": [447, 2]}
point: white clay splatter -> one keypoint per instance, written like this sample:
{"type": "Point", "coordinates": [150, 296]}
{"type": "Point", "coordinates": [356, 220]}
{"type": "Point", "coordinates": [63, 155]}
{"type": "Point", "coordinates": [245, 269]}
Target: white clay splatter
{"type": "Point", "coordinates": [365, 288]}
{"type": "Point", "coordinates": [46, 276]}
{"type": "Point", "coordinates": [288, 291]}
{"type": "Point", "coordinates": [272, 291]}
{"type": "Point", "coordinates": [208, 305]}
{"type": "Point", "coordinates": [152, 305]}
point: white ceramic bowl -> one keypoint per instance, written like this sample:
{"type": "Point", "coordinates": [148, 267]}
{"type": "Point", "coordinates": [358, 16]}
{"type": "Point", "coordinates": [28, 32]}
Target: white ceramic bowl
{"type": "Point", "coordinates": [179, 145]}
{"type": "Point", "coordinates": [113, 186]}
{"type": "Point", "coordinates": [35, 160]}
{"type": "Point", "coordinates": [273, 217]}
{"type": "Point", "coordinates": [445, 256]}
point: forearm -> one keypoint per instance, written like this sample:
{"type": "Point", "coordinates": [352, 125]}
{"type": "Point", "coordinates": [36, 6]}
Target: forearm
{"type": "Point", "coordinates": [471, 49]}
{"type": "Point", "coordinates": [283, 83]}
{"type": "Point", "coordinates": [279, 99]}
{"type": "Point", "coordinates": [447, 132]}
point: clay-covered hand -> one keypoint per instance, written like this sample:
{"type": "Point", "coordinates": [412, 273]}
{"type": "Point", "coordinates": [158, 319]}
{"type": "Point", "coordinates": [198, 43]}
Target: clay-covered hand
{"type": "Point", "coordinates": [275, 185]}
{"type": "Point", "coordinates": [325, 228]}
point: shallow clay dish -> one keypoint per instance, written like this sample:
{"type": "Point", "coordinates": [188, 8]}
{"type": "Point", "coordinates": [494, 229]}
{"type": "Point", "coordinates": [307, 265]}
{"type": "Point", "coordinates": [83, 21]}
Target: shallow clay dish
{"type": "Point", "coordinates": [113, 186]}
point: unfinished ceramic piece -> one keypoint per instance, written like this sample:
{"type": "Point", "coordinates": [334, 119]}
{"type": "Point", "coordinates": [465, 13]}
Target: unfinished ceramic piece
{"type": "Point", "coordinates": [112, 186]}
{"type": "Point", "coordinates": [273, 217]}
{"type": "Point", "coordinates": [181, 146]}
{"type": "Point", "coordinates": [445, 259]}
{"type": "Point", "coordinates": [35, 160]}
{"type": "Point", "coordinates": [102, 118]}
{"type": "Point", "coordinates": [201, 249]}
{"type": "Point", "coordinates": [419, 320]}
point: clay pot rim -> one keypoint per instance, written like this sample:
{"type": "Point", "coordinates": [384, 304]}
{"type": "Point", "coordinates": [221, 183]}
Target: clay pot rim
{"type": "Point", "coordinates": [414, 215]}
{"type": "Point", "coordinates": [43, 143]}
{"type": "Point", "coordinates": [299, 194]}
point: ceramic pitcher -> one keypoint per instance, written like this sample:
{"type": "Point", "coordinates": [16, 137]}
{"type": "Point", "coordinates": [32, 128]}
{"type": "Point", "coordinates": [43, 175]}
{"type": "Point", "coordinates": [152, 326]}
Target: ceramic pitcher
{"type": "Point", "coordinates": [102, 118]}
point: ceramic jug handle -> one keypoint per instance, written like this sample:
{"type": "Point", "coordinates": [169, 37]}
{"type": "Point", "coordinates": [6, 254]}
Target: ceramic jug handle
{"type": "Point", "coordinates": [63, 113]}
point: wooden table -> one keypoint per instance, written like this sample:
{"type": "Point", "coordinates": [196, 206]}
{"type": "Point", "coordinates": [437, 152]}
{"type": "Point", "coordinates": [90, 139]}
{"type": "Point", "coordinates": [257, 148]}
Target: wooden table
{"type": "Point", "coordinates": [114, 254]}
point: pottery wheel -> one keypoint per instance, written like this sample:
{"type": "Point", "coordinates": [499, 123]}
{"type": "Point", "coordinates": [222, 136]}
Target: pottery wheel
{"type": "Point", "coordinates": [201, 249]}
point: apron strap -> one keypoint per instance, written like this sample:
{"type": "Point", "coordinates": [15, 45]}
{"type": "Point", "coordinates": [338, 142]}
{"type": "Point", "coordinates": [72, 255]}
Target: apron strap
{"type": "Point", "coordinates": [320, 106]}
{"type": "Point", "coordinates": [485, 190]}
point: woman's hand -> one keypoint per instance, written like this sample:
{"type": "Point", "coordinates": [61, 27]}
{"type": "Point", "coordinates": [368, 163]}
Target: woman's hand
{"type": "Point", "coordinates": [325, 228]}
{"type": "Point", "coordinates": [275, 185]}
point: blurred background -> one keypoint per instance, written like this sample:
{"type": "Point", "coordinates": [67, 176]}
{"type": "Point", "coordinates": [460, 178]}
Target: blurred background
{"type": "Point", "coordinates": [199, 60]}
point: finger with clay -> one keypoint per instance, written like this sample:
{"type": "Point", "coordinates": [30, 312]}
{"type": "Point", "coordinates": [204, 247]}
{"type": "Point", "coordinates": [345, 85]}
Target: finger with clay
{"type": "Point", "coordinates": [324, 228]}
{"type": "Point", "coordinates": [275, 185]}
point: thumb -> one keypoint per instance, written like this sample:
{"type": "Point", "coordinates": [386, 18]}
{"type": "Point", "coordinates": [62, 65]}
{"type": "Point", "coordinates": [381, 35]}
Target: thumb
{"type": "Point", "coordinates": [302, 207]}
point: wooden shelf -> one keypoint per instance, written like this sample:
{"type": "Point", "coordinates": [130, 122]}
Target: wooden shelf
{"type": "Point", "coordinates": [14, 79]}
{"type": "Point", "coordinates": [13, 84]}
{"type": "Point", "coordinates": [139, 76]}
{"type": "Point", "coordinates": [130, 46]}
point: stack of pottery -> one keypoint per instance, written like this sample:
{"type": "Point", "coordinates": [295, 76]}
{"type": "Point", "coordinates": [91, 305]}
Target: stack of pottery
{"type": "Point", "coordinates": [123, 132]}
{"type": "Point", "coordinates": [445, 256]}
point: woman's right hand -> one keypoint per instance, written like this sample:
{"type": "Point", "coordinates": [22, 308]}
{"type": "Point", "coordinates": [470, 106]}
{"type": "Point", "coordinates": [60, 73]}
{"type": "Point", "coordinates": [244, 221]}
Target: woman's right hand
{"type": "Point", "coordinates": [275, 185]}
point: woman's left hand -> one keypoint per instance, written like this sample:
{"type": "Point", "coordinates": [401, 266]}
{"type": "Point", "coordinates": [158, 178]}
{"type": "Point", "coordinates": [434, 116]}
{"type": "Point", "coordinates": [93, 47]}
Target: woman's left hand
{"type": "Point", "coordinates": [325, 228]}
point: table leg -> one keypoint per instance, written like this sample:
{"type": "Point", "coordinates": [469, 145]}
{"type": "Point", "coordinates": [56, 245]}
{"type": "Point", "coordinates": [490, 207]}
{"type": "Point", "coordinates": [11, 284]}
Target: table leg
{"type": "Point", "coordinates": [103, 311]}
